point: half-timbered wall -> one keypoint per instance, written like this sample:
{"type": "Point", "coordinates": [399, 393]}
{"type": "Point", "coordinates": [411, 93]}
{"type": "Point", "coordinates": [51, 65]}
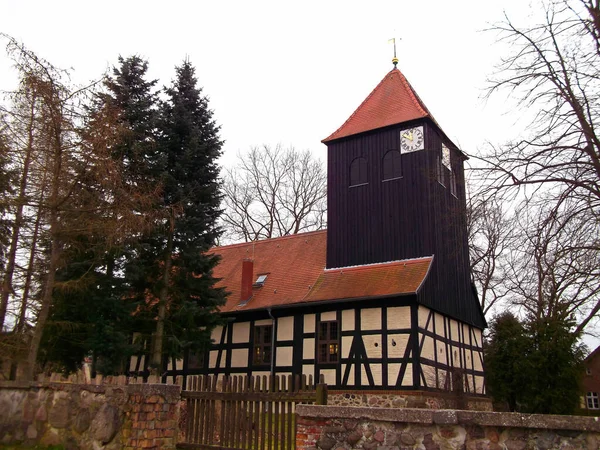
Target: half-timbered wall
{"type": "Point", "coordinates": [392, 345]}
{"type": "Point", "coordinates": [447, 345]}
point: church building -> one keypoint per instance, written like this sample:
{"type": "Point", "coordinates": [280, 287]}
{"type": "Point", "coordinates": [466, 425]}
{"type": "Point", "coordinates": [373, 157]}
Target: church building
{"type": "Point", "coordinates": [382, 300]}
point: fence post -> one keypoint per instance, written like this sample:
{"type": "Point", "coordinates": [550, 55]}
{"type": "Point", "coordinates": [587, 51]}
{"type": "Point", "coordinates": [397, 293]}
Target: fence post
{"type": "Point", "coordinates": [321, 394]}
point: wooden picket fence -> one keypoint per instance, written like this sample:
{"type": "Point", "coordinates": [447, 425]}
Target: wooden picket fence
{"type": "Point", "coordinates": [244, 413]}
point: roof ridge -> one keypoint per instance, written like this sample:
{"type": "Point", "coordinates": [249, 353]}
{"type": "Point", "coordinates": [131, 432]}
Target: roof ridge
{"type": "Point", "coordinates": [262, 241]}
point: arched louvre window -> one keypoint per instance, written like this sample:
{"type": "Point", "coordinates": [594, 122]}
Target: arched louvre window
{"type": "Point", "coordinates": [358, 171]}
{"type": "Point", "coordinates": [391, 165]}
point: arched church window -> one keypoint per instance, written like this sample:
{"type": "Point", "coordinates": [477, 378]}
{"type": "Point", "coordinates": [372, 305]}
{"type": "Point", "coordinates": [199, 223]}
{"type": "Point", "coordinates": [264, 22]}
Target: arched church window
{"type": "Point", "coordinates": [358, 171]}
{"type": "Point", "coordinates": [391, 165]}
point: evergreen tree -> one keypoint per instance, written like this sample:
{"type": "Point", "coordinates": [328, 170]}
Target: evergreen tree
{"type": "Point", "coordinates": [555, 366]}
{"type": "Point", "coordinates": [190, 145]}
{"type": "Point", "coordinates": [95, 311]}
{"type": "Point", "coordinates": [505, 355]}
{"type": "Point", "coordinates": [534, 366]}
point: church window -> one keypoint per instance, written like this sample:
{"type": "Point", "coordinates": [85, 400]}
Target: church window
{"type": "Point", "coordinates": [391, 165]}
{"type": "Point", "coordinates": [329, 342]}
{"type": "Point", "coordinates": [453, 183]}
{"type": "Point", "coordinates": [262, 344]}
{"type": "Point", "coordinates": [358, 171]}
{"type": "Point", "coordinates": [592, 400]}
{"type": "Point", "coordinates": [440, 170]}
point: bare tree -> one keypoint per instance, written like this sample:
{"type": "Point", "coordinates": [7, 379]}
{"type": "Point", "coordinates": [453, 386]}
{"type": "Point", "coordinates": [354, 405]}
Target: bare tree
{"type": "Point", "coordinates": [490, 234]}
{"type": "Point", "coordinates": [553, 272]}
{"type": "Point", "coordinates": [71, 191]}
{"type": "Point", "coordinates": [274, 192]}
{"type": "Point", "coordinates": [552, 172]}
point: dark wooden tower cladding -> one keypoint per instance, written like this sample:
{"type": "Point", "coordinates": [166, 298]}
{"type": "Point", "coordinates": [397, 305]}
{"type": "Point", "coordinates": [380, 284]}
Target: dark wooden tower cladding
{"type": "Point", "coordinates": [416, 210]}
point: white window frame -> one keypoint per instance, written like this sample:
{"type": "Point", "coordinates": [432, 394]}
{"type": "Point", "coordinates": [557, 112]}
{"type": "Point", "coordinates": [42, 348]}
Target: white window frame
{"type": "Point", "coordinates": [591, 400]}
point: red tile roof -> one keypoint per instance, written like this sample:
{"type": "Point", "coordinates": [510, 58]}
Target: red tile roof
{"type": "Point", "coordinates": [295, 266]}
{"type": "Point", "coordinates": [393, 101]}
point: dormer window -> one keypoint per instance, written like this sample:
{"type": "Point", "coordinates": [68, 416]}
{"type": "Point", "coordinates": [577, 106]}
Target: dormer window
{"type": "Point", "coordinates": [260, 280]}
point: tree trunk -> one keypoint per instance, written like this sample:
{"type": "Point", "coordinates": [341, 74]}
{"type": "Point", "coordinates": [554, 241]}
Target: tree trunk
{"type": "Point", "coordinates": [55, 248]}
{"type": "Point", "coordinates": [18, 222]}
{"type": "Point", "coordinates": [157, 350]}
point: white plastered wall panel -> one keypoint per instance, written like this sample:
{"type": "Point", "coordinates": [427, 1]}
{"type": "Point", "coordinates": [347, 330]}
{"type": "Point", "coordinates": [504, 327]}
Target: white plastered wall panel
{"type": "Point", "coordinates": [373, 345]}
{"type": "Point", "coordinates": [375, 371]}
{"type": "Point", "coordinates": [216, 334]}
{"type": "Point", "coordinates": [441, 352]}
{"type": "Point", "coordinates": [133, 362]}
{"type": "Point", "coordinates": [477, 341]}
{"type": "Point", "coordinates": [346, 345]}
{"type": "Point", "coordinates": [457, 357]}
{"type": "Point", "coordinates": [262, 322]}
{"type": "Point", "coordinates": [329, 375]}
{"type": "Point", "coordinates": [309, 323]}
{"type": "Point", "coordinates": [423, 316]}
{"type": "Point", "coordinates": [408, 376]}
{"type": "Point", "coordinates": [398, 317]}
{"type": "Point", "coordinates": [439, 325]}
{"type": "Point", "coordinates": [479, 385]}
{"type": "Point", "coordinates": [239, 357]}
{"type": "Point", "coordinates": [308, 369]}
{"type": "Point", "coordinates": [350, 381]}
{"type": "Point", "coordinates": [429, 375]}
{"type": "Point", "coordinates": [329, 315]}
{"type": "Point", "coordinates": [308, 348]}
{"type": "Point", "coordinates": [428, 350]}
{"type": "Point", "coordinates": [370, 319]}
{"type": "Point", "coordinates": [241, 333]}
{"type": "Point", "coordinates": [284, 356]}
{"type": "Point", "coordinates": [397, 351]}
{"type": "Point", "coordinates": [454, 330]}
{"type": "Point", "coordinates": [285, 328]}
{"type": "Point", "coordinates": [348, 322]}
{"type": "Point", "coordinates": [393, 371]}
{"type": "Point", "coordinates": [262, 373]}
{"type": "Point", "coordinates": [477, 361]}
{"type": "Point", "coordinates": [212, 358]}
{"type": "Point", "coordinates": [442, 378]}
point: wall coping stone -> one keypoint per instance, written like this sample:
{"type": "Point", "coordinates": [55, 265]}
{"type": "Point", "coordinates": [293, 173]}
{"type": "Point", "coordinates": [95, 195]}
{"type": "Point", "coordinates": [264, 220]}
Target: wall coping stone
{"type": "Point", "coordinates": [451, 417]}
{"type": "Point", "coordinates": [170, 392]}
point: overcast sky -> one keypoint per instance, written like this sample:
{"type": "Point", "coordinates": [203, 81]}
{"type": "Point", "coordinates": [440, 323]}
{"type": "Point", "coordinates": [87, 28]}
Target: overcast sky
{"type": "Point", "coordinates": [283, 72]}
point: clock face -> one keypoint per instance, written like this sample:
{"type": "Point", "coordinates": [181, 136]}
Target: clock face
{"type": "Point", "coordinates": [412, 139]}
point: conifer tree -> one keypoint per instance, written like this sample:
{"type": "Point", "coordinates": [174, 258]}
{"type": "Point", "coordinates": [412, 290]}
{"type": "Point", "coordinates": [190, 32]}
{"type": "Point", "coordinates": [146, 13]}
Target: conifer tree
{"type": "Point", "coordinates": [98, 316]}
{"type": "Point", "coordinates": [190, 145]}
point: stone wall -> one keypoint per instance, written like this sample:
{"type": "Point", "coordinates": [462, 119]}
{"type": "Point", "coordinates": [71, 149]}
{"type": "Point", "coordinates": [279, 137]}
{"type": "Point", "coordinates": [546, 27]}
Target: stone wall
{"type": "Point", "coordinates": [408, 399]}
{"type": "Point", "coordinates": [338, 428]}
{"type": "Point", "coordinates": [134, 416]}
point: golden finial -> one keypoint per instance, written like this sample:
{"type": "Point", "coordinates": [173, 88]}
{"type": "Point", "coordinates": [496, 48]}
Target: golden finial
{"type": "Point", "coordinates": [394, 59]}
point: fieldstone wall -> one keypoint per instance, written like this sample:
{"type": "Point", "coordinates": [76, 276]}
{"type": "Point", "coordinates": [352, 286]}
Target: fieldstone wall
{"type": "Point", "coordinates": [337, 428]}
{"type": "Point", "coordinates": [84, 416]}
{"type": "Point", "coordinates": [407, 399]}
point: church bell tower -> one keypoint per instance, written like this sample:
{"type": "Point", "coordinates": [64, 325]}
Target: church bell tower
{"type": "Point", "coordinates": [396, 191]}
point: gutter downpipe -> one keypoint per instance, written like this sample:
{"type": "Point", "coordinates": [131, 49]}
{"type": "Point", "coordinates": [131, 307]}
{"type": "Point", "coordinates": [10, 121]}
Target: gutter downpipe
{"type": "Point", "coordinates": [272, 343]}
